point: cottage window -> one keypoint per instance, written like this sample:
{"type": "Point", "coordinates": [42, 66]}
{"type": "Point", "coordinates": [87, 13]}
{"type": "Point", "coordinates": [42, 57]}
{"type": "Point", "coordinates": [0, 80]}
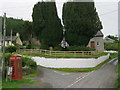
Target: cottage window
{"type": "Point", "coordinates": [98, 43]}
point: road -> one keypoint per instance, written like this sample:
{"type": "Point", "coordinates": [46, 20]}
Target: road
{"type": "Point", "coordinates": [101, 78]}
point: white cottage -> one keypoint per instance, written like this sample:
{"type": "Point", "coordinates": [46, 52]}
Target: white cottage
{"type": "Point", "coordinates": [8, 40]}
{"type": "Point", "coordinates": [97, 42]}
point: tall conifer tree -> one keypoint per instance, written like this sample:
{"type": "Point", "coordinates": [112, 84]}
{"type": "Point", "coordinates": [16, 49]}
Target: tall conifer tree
{"type": "Point", "coordinates": [47, 26]}
{"type": "Point", "coordinates": [81, 22]}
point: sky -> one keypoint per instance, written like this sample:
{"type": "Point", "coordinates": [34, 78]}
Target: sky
{"type": "Point", "coordinates": [107, 11]}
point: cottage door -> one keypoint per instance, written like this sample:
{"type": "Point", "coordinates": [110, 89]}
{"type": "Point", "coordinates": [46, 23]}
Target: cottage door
{"type": "Point", "coordinates": [92, 44]}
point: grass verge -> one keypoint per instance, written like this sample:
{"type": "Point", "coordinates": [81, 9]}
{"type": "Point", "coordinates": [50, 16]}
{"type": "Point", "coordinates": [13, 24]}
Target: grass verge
{"type": "Point", "coordinates": [66, 56]}
{"type": "Point", "coordinates": [117, 82]}
{"type": "Point", "coordinates": [16, 83]}
{"type": "Point", "coordinates": [113, 55]}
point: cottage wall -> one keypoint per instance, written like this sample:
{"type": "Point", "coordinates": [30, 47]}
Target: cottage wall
{"type": "Point", "coordinates": [99, 47]}
{"type": "Point", "coordinates": [18, 41]}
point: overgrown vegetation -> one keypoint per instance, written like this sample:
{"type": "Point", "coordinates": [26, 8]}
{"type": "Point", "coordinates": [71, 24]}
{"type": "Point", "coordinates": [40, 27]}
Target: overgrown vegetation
{"type": "Point", "coordinates": [10, 49]}
{"type": "Point", "coordinates": [111, 46]}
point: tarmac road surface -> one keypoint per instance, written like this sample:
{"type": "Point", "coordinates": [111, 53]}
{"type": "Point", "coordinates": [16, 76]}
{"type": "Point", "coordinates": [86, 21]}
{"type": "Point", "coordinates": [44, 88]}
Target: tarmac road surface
{"type": "Point", "coordinates": [101, 78]}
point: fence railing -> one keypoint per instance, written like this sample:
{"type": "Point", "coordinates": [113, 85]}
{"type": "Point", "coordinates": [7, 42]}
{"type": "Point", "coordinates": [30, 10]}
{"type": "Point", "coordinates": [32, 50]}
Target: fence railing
{"type": "Point", "coordinates": [57, 53]}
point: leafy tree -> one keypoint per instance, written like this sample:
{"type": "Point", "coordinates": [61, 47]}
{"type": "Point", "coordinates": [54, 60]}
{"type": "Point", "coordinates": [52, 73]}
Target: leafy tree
{"type": "Point", "coordinates": [18, 26]}
{"type": "Point", "coordinates": [46, 24]}
{"type": "Point", "coordinates": [81, 22]}
{"type": "Point", "coordinates": [113, 37]}
{"type": "Point", "coordinates": [10, 49]}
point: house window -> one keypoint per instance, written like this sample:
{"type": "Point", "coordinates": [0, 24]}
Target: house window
{"type": "Point", "coordinates": [98, 43]}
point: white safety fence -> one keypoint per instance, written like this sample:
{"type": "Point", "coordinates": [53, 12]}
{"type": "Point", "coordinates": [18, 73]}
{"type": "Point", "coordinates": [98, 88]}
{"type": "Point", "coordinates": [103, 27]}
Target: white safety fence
{"type": "Point", "coordinates": [70, 62]}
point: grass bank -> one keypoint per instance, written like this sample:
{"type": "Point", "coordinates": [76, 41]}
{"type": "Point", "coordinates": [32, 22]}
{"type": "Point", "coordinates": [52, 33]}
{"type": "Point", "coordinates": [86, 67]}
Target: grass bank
{"type": "Point", "coordinates": [66, 56]}
{"type": "Point", "coordinates": [117, 82]}
{"type": "Point", "coordinates": [16, 83]}
{"type": "Point", "coordinates": [113, 55]}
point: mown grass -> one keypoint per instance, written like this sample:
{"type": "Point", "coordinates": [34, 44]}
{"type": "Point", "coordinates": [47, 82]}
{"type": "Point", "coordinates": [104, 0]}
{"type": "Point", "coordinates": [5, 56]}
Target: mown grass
{"type": "Point", "coordinates": [0, 83]}
{"type": "Point", "coordinates": [113, 55]}
{"type": "Point", "coordinates": [117, 82]}
{"type": "Point", "coordinates": [67, 55]}
{"type": "Point", "coordinates": [16, 83]}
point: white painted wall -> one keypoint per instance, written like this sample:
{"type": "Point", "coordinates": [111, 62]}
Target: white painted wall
{"type": "Point", "coordinates": [70, 62]}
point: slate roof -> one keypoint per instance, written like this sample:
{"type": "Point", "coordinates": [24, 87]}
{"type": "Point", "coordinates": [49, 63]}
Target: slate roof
{"type": "Point", "coordinates": [99, 34]}
{"type": "Point", "coordinates": [8, 38]}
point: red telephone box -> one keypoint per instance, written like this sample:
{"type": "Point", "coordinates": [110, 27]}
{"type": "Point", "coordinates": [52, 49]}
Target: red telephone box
{"type": "Point", "coordinates": [16, 63]}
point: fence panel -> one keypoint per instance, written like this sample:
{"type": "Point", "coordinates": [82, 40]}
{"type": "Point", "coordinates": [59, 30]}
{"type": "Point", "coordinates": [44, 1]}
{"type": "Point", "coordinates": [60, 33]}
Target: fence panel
{"type": "Point", "coordinates": [57, 53]}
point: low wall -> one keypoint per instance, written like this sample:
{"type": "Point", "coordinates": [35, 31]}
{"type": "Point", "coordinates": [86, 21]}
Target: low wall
{"type": "Point", "coordinates": [70, 62]}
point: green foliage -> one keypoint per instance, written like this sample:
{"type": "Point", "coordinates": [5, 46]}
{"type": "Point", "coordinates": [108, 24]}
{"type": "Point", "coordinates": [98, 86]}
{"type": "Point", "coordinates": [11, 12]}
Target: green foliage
{"type": "Point", "coordinates": [16, 83]}
{"type": "Point", "coordinates": [10, 49]}
{"type": "Point", "coordinates": [81, 22]}
{"type": "Point", "coordinates": [29, 63]}
{"type": "Point", "coordinates": [28, 31]}
{"type": "Point", "coordinates": [18, 26]}
{"type": "Point", "coordinates": [43, 46]}
{"type": "Point", "coordinates": [79, 48]}
{"type": "Point", "coordinates": [113, 37]}
{"type": "Point", "coordinates": [46, 24]}
{"type": "Point", "coordinates": [58, 48]}
{"type": "Point", "coordinates": [29, 46]}
{"type": "Point", "coordinates": [26, 62]}
{"type": "Point", "coordinates": [111, 46]}
{"type": "Point", "coordinates": [7, 57]}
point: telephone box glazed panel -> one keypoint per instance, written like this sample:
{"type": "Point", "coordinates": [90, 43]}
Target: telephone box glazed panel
{"type": "Point", "coordinates": [16, 63]}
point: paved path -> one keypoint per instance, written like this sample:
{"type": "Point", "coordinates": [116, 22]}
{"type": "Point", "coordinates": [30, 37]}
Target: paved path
{"type": "Point", "coordinates": [101, 78]}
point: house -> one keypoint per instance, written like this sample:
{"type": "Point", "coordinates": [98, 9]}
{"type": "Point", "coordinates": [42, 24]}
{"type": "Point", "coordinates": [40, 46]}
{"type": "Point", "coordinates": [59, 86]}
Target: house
{"type": "Point", "coordinates": [11, 40]}
{"type": "Point", "coordinates": [108, 40]}
{"type": "Point", "coordinates": [97, 42]}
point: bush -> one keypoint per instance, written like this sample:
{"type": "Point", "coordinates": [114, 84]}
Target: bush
{"type": "Point", "coordinates": [29, 63]}
{"type": "Point", "coordinates": [44, 46]}
{"type": "Point", "coordinates": [111, 46]}
{"type": "Point", "coordinates": [79, 48]}
{"type": "Point", "coordinates": [58, 48]}
{"type": "Point", "coordinates": [10, 49]}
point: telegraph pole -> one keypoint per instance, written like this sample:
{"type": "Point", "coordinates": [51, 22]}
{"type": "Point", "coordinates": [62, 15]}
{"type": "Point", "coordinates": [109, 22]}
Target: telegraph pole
{"type": "Point", "coordinates": [4, 34]}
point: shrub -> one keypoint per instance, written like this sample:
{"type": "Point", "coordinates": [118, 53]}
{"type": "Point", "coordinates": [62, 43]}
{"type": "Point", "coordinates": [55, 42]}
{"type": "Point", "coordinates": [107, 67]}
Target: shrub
{"type": "Point", "coordinates": [58, 48]}
{"type": "Point", "coordinates": [111, 46]}
{"type": "Point", "coordinates": [79, 48]}
{"type": "Point", "coordinates": [10, 49]}
{"type": "Point", "coordinates": [28, 47]}
{"type": "Point", "coordinates": [44, 46]}
{"type": "Point", "coordinates": [29, 63]}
